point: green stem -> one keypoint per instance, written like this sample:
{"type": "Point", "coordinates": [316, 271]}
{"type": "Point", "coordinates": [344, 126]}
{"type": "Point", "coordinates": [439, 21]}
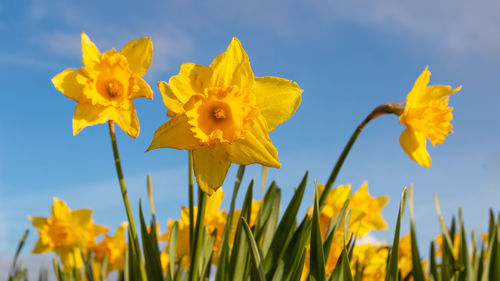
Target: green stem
{"type": "Point", "coordinates": [126, 202]}
{"type": "Point", "coordinates": [388, 108]}
{"type": "Point", "coordinates": [191, 200]}
{"type": "Point", "coordinates": [197, 242]}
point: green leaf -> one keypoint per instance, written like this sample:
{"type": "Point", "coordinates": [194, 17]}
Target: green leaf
{"type": "Point", "coordinates": [447, 240]}
{"type": "Point", "coordinates": [317, 259]}
{"type": "Point", "coordinates": [392, 266]}
{"type": "Point", "coordinates": [196, 250]}
{"type": "Point", "coordinates": [224, 248]}
{"type": "Point", "coordinates": [238, 270]}
{"type": "Point", "coordinates": [150, 248]}
{"type": "Point", "coordinates": [151, 200]}
{"type": "Point", "coordinates": [172, 249]}
{"type": "Point", "coordinates": [254, 251]}
{"type": "Point", "coordinates": [417, 271]}
{"type": "Point", "coordinates": [284, 232]}
{"type": "Point", "coordinates": [342, 271]}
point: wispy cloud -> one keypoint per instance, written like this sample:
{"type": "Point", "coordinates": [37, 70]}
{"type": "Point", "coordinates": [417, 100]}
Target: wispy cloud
{"type": "Point", "coordinates": [459, 26]}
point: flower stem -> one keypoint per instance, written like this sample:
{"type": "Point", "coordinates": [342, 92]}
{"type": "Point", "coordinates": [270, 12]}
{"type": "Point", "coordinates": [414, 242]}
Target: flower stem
{"type": "Point", "coordinates": [126, 202]}
{"type": "Point", "coordinates": [191, 200]}
{"type": "Point", "coordinates": [388, 108]}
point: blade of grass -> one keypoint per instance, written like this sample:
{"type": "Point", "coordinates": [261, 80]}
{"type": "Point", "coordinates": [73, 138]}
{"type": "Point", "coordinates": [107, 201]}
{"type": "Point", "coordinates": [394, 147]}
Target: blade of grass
{"type": "Point", "coordinates": [254, 251]}
{"type": "Point", "coordinates": [317, 259]}
{"type": "Point", "coordinates": [417, 271]}
{"type": "Point", "coordinates": [392, 266]}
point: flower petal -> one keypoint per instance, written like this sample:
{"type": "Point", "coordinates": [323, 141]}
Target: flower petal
{"type": "Point", "coordinates": [60, 210]}
{"type": "Point", "coordinates": [277, 99]}
{"type": "Point", "coordinates": [232, 67]}
{"type": "Point", "coordinates": [40, 247]}
{"type": "Point", "coordinates": [82, 216]}
{"type": "Point", "coordinates": [87, 114]}
{"type": "Point", "coordinates": [256, 147]}
{"type": "Point", "coordinates": [141, 89]}
{"type": "Point", "coordinates": [37, 222]}
{"type": "Point", "coordinates": [71, 83]}
{"type": "Point", "coordinates": [90, 53]}
{"type": "Point", "coordinates": [192, 79]}
{"type": "Point", "coordinates": [138, 53]}
{"type": "Point", "coordinates": [175, 133]}
{"type": "Point", "coordinates": [126, 118]}
{"type": "Point", "coordinates": [210, 168]}
{"type": "Point", "coordinates": [170, 100]}
{"type": "Point", "coordinates": [438, 92]}
{"type": "Point", "coordinates": [414, 143]}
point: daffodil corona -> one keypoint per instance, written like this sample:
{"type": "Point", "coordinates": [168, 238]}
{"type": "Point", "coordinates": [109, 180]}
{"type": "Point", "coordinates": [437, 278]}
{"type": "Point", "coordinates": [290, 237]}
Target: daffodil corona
{"type": "Point", "coordinates": [224, 115]}
{"type": "Point", "coordinates": [426, 116]}
{"type": "Point", "coordinates": [105, 87]}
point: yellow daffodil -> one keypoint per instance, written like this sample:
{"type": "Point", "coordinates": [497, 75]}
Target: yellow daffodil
{"type": "Point", "coordinates": [105, 86]}
{"type": "Point", "coordinates": [366, 211]}
{"type": "Point", "coordinates": [113, 247]}
{"type": "Point", "coordinates": [64, 231]}
{"type": "Point", "coordinates": [371, 260]}
{"type": "Point", "coordinates": [224, 114]}
{"type": "Point", "coordinates": [426, 116]}
{"type": "Point", "coordinates": [215, 219]}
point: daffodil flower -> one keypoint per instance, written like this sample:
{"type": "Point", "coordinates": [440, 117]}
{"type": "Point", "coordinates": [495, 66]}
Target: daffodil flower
{"type": "Point", "coordinates": [105, 86]}
{"type": "Point", "coordinates": [113, 247]}
{"type": "Point", "coordinates": [64, 231]}
{"type": "Point", "coordinates": [224, 114]}
{"type": "Point", "coordinates": [426, 116]}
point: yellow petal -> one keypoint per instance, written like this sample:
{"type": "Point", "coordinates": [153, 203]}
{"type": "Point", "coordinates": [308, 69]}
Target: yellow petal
{"type": "Point", "coordinates": [175, 133]}
{"type": "Point", "coordinates": [126, 118]}
{"type": "Point", "coordinates": [438, 92]}
{"type": "Point", "coordinates": [138, 53]}
{"type": "Point", "coordinates": [82, 216]}
{"type": "Point", "coordinates": [41, 247]}
{"type": "Point", "coordinates": [60, 210]}
{"type": "Point", "coordinates": [256, 147]}
{"type": "Point", "coordinates": [90, 53]}
{"type": "Point", "coordinates": [210, 168]}
{"type": "Point", "coordinates": [37, 222]}
{"type": "Point", "coordinates": [141, 89]}
{"type": "Point", "coordinates": [170, 100]}
{"type": "Point", "coordinates": [232, 67]}
{"type": "Point", "coordinates": [277, 99]}
{"type": "Point", "coordinates": [71, 83]}
{"type": "Point", "coordinates": [418, 90]}
{"type": "Point", "coordinates": [191, 80]}
{"type": "Point", "coordinates": [413, 143]}
{"type": "Point", "coordinates": [88, 115]}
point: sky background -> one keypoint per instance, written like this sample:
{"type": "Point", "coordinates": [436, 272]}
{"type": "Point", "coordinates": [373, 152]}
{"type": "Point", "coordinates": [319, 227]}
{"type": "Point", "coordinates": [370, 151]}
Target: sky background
{"type": "Point", "coordinates": [348, 56]}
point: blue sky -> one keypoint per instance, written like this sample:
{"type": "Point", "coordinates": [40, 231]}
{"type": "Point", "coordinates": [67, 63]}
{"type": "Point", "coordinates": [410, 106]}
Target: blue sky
{"type": "Point", "coordinates": [348, 56]}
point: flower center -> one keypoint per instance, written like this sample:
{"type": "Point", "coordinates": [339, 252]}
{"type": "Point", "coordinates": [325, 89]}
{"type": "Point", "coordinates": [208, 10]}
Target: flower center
{"type": "Point", "coordinates": [113, 89]}
{"type": "Point", "coordinates": [60, 232]}
{"type": "Point", "coordinates": [218, 113]}
{"type": "Point", "coordinates": [222, 116]}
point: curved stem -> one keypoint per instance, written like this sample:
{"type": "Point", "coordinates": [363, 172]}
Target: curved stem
{"type": "Point", "coordinates": [388, 108]}
{"type": "Point", "coordinates": [126, 202]}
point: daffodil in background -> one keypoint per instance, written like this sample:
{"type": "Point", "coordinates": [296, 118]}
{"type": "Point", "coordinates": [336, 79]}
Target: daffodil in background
{"type": "Point", "coordinates": [64, 231]}
{"type": "Point", "coordinates": [224, 114]}
{"type": "Point", "coordinates": [426, 116]}
{"type": "Point", "coordinates": [215, 220]}
{"type": "Point", "coordinates": [113, 248]}
{"type": "Point", "coordinates": [105, 86]}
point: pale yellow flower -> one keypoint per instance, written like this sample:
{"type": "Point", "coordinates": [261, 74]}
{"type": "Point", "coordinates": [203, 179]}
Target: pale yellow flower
{"type": "Point", "coordinates": [64, 231]}
{"type": "Point", "coordinates": [105, 86]}
{"type": "Point", "coordinates": [113, 247]}
{"type": "Point", "coordinates": [224, 115]}
{"type": "Point", "coordinates": [426, 116]}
